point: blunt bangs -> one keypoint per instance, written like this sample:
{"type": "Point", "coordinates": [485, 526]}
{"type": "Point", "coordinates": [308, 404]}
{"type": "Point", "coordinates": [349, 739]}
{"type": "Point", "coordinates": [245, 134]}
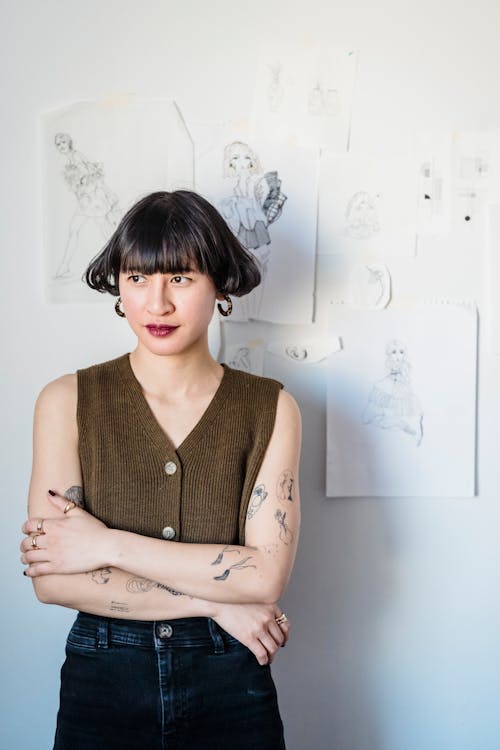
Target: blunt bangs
{"type": "Point", "coordinates": [174, 233]}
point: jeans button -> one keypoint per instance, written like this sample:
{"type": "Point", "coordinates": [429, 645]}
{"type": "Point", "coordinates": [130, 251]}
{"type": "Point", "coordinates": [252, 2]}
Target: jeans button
{"type": "Point", "coordinates": [164, 630]}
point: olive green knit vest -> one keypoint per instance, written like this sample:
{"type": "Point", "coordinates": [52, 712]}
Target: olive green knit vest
{"type": "Point", "coordinates": [134, 479]}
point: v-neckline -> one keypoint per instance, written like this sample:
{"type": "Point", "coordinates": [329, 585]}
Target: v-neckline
{"type": "Point", "coordinates": [150, 424]}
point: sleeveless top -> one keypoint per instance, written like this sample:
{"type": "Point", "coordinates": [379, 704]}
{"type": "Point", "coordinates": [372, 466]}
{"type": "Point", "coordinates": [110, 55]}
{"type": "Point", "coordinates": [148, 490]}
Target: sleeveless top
{"type": "Point", "coordinates": [135, 480]}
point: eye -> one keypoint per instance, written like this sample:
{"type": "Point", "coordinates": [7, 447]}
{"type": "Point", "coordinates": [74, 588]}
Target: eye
{"type": "Point", "coordinates": [180, 279]}
{"type": "Point", "coordinates": [136, 278]}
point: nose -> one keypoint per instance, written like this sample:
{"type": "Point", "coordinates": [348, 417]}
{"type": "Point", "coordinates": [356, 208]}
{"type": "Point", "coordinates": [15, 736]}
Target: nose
{"type": "Point", "coordinates": [159, 298]}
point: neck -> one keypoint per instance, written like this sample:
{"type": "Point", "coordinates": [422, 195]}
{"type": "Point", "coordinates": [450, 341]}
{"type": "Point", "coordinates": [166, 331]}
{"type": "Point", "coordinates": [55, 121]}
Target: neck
{"type": "Point", "coordinates": [176, 374]}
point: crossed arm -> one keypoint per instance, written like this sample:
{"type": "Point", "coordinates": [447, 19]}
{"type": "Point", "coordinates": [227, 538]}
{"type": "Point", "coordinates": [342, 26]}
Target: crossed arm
{"type": "Point", "coordinates": [138, 577]}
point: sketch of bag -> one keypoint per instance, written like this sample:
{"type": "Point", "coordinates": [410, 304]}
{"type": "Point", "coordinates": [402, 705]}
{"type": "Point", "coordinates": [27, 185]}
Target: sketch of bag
{"type": "Point", "coordinates": [275, 199]}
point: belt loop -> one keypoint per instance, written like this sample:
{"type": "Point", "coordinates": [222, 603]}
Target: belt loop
{"type": "Point", "coordinates": [103, 632]}
{"type": "Point", "coordinates": [216, 636]}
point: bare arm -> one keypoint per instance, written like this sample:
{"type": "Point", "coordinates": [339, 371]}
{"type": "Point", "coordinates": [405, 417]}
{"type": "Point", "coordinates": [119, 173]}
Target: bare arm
{"type": "Point", "coordinates": [108, 590]}
{"type": "Point", "coordinates": [219, 573]}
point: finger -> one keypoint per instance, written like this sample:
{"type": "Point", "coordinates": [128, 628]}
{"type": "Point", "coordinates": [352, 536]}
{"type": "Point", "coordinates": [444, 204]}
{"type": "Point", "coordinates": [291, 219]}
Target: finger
{"type": "Point", "coordinates": [285, 629]}
{"type": "Point", "coordinates": [277, 633]}
{"type": "Point", "coordinates": [58, 501]}
{"type": "Point", "coordinates": [27, 543]}
{"type": "Point", "coordinates": [270, 645]}
{"type": "Point", "coordinates": [38, 569]}
{"type": "Point", "coordinates": [36, 556]}
{"type": "Point", "coordinates": [34, 524]}
{"type": "Point", "coordinates": [259, 651]}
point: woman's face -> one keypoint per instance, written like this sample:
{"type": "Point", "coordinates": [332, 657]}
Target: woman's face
{"type": "Point", "coordinates": [240, 160]}
{"type": "Point", "coordinates": [169, 313]}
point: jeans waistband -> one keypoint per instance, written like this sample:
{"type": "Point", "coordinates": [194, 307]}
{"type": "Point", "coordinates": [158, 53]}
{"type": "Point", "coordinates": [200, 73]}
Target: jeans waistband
{"type": "Point", "coordinates": [185, 632]}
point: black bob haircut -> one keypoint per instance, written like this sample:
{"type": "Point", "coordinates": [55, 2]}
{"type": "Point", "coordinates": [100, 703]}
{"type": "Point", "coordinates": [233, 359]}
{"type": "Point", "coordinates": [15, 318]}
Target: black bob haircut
{"type": "Point", "coordinates": [174, 233]}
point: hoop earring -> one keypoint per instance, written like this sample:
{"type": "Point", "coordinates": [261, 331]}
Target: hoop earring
{"type": "Point", "coordinates": [229, 309]}
{"type": "Point", "coordinates": [118, 309]}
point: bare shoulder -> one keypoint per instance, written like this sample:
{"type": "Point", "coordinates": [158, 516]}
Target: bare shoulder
{"type": "Point", "coordinates": [288, 410]}
{"type": "Point", "coordinates": [58, 396]}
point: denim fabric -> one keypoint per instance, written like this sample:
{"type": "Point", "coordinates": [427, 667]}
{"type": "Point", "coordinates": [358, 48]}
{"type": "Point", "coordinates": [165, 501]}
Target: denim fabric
{"type": "Point", "coordinates": [179, 685]}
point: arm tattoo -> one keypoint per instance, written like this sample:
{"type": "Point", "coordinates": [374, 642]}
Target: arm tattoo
{"type": "Point", "coordinates": [236, 566]}
{"type": "Point", "coordinates": [284, 488]}
{"type": "Point", "coordinates": [75, 494]}
{"type": "Point", "coordinates": [119, 607]}
{"type": "Point", "coordinates": [286, 534]}
{"type": "Point", "coordinates": [102, 575]}
{"type": "Point", "coordinates": [143, 585]}
{"type": "Point", "coordinates": [258, 496]}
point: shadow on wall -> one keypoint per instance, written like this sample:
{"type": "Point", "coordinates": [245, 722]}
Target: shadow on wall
{"type": "Point", "coordinates": [341, 587]}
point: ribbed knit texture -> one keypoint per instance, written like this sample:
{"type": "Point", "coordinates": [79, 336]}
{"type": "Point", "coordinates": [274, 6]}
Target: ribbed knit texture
{"type": "Point", "coordinates": [123, 453]}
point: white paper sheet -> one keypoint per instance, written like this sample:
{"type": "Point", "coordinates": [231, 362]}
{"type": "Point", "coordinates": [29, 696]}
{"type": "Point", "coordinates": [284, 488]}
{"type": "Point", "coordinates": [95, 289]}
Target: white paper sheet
{"type": "Point", "coordinates": [248, 356]}
{"type": "Point", "coordinates": [268, 196]}
{"type": "Point", "coordinates": [304, 95]}
{"type": "Point", "coordinates": [434, 183]}
{"type": "Point", "coordinates": [369, 287]}
{"type": "Point", "coordinates": [493, 277]}
{"type": "Point", "coordinates": [306, 351]}
{"type": "Point", "coordinates": [367, 205]}
{"type": "Point", "coordinates": [476, 177]}
{"type": "Point", "coordinates": [99, 158]}
{"type": "Point", "coordinates": [401, 415]}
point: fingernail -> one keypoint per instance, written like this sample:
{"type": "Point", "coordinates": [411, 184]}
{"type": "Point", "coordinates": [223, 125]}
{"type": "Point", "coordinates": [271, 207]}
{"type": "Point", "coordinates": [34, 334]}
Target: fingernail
{"type": "Point", "coordinates": [24, 573]}
{"type": "Point", "coordinates": [51, 492]}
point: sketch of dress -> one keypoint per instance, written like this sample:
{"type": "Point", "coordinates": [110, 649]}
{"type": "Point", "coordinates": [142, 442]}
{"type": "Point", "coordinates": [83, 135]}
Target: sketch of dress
{"type": "Point", "coordinates": [392, 404]}
{"type": "Point", "coordinates": [95, 201]}
{"type": "Point", "coordinates": [255, 203]}
{"type": "Point", "coordinates": [362, 216]}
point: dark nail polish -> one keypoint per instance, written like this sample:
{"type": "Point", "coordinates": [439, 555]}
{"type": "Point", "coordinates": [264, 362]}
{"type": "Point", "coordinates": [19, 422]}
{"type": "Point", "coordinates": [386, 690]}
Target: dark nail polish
{"type": "Point", "coordinates": [24, 573]}
{"type": "Point", "coordinates": [51, 492]}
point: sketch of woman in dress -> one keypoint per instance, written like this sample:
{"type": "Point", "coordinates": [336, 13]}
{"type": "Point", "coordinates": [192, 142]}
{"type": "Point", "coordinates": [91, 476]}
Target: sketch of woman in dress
{"type": "Point", "coordinates": [255, 203]}
{"type": "Point", "coordinates": [95, 201]}
{"type": "Point", "coordinates": [392, 404]}
{"type": "Point", "coordinates": [361, 216]}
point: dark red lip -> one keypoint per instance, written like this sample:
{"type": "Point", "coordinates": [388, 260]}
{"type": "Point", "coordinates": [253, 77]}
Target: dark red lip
{"type": "Point", "coordinates": [160, 330]}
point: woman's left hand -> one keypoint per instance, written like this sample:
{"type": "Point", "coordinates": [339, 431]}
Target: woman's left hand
{"type": "Point", "coordinates": [72, 541]}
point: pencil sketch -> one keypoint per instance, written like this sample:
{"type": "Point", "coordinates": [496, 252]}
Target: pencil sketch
{"type": "Point", "coordinates": [323, 102]}
{"type": "Point", "coordinates": [297, 353]}
{"type": "Point", "coordinates": [241, 359]}
{"type": "Point", "coordinates": [256, 201]}
{"type": "Point", "coordinates": [276, 91]}
{"type": "Point", "coordinates": [369, 287]}
{"type": "Point", "coordinates": [392, 404]}
{"type": "Point", "coordinates": [361, 215]}
{"type": "Point", "coordinates": [95, 202]}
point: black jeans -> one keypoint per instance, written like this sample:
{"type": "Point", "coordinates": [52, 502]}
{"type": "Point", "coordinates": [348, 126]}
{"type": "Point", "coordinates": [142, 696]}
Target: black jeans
{"type": "Point", "coordinates": [179, 685]}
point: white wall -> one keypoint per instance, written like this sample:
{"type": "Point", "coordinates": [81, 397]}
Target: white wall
{"type": "Point", "coordinates": [394, 603]}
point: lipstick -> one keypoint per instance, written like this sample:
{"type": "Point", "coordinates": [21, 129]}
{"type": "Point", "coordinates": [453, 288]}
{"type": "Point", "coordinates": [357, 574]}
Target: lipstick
{"type": "Point", "coordinates": [160, 330]}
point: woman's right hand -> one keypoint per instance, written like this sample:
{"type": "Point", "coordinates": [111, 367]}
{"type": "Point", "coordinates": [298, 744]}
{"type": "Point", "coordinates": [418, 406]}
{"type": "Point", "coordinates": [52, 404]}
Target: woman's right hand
{"type": "Point", "coordinates": [255, 626]}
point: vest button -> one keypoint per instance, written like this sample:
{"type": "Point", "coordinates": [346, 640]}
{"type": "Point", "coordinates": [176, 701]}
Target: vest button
{"type": "Point", "coordinates": [170, 468]}
{"type": "Point", "coordinates": [164, 630]}
{"type": "Point", "coordinates": [168, 533]}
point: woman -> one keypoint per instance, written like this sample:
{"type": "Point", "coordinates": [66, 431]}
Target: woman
{"type": "Point", "coordinates": [183, 540]}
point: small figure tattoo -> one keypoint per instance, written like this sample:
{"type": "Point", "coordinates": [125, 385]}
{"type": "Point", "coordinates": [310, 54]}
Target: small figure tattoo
{"type": "Point", "coordinates": [100, 576]}
{"type": "Point", "coordinates": [143, 585]}
{"type": "Point", "coordinates": [286, 534]}
{"type": "Point", "coordinates": [75, 494]}
{"type": "Point", "coordinates": [258, 496]}
{"type": "Point", "coordinates": [236, 566]}
{"type": "Point", "coordinates": [284, 488]}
